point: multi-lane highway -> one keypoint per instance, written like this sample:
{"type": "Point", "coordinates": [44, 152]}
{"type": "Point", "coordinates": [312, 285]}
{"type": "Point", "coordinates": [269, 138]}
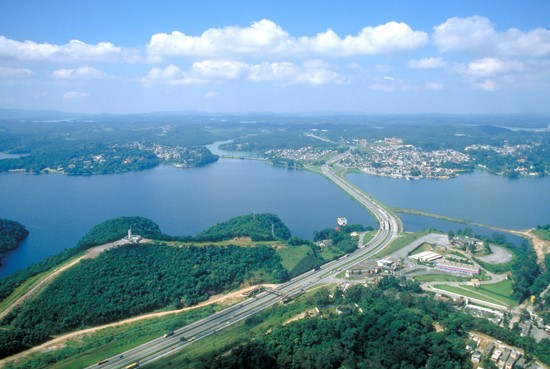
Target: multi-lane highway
{"type": "Point", "coordinates": [163, 346]}
{"type": "Point", "coordinates": [385, 218]}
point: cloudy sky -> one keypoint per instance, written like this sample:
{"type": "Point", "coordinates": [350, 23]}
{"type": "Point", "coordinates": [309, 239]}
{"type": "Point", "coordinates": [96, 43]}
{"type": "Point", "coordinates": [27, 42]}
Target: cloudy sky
{"type": "Point", "coordinates": [468, 56]}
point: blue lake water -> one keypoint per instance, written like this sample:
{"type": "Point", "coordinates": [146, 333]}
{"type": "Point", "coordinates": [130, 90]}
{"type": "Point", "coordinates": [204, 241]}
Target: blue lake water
{"type": "Point", "coordinates": [58, 210]}
{"type": "Point", "coordinates": [479, 197]}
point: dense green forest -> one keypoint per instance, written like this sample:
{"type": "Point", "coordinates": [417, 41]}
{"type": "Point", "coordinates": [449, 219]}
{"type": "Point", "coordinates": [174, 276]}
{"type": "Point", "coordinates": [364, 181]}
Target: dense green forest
{"type": "Point", "coordinates": [341, 238]}
{"type": "Point", "coordinates": [12, 234]}
{"type": "Point", "coordinates": [528, 277]}
{"type": "Point", "coordinates": [391, 325]}
{"type": "Point", "coordinates": [77, 158]}
{"type": "Point", "coordinates": [259, 227]}
{"type": "Point", "coordinates": [116, 228]}
{"type": "Point", "coordinates": [386, 326]}
{"type": "Point", "coordinates": [80, 158]}
{"type": "Point", "coordinates": [132, 280]}
{"type": "Point", "coordinates": [107, 231]}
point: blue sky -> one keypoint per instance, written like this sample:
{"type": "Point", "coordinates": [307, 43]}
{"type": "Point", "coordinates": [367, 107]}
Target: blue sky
{"type": "Point", "coordinates": [276, 56]}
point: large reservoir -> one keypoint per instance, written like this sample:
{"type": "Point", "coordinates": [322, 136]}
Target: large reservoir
{"type": "Point", "coordinates": [58, 209]}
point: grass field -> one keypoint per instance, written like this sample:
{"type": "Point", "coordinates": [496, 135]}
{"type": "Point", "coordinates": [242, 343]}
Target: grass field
{"type": "Point", "coordinates": [401, 242]}
{"type": "Point", "coordinates": [21, 290]}
{"type": "Point", "coordinates": [498, 293]}
{"type": "Point", "coordinates": [369, 236]}
{"type": "Point", "coordinates": [439, 278]}
{"type": "Point", "coordinates": [501, 290]}
{"type": "Point", "coordinates": [292, 255]}
{"type": "Point", "coordinates": [329, 254]}
{"type": "Point", "coordinates": [543, 234]}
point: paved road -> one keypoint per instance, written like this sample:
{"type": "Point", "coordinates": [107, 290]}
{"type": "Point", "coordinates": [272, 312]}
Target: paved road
{"type": "Point", "coordinates": [385, 218]}
{"type": "Point", "coordinates": [432, 238]}
{"type": "Point", "coordinates": [163, 346]}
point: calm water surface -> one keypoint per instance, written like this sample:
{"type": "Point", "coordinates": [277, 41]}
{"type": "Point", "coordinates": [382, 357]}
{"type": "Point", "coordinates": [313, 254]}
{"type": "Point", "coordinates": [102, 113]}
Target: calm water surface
{"type": "Point", "coordinates": [479, 196]}
{"type": "Point", "coordinates": [58, 209]}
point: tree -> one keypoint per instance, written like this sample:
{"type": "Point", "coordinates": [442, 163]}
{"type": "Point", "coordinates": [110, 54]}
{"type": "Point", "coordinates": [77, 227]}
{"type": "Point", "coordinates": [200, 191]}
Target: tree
{"type": "Point", "coordinates": [451, 235]}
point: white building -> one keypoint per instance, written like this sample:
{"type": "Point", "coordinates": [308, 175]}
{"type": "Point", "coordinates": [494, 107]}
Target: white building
{"type": "Point", "coordinates": [342, 222]}
{"type": "Point", "coordinates": [132, 238]}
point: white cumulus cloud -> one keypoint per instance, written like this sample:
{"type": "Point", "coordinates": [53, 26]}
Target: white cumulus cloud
{"type": "Point", "coordinates": [261, 35]}
{"type": "Point", "coordinates": [171, 75]}
{"type": "Point", "coordinates": [386, 38]}
{"type": "Point", "coordinates": [312, 72]}
{"type": "Point", "coordinates": [265, 37]}
{"type": "Point", "coordinates": [219, 69]}
{"type": "Point", "coordinates": [73, 50]}
{"type": "Point", "coordinates": [488, 73]}
{"type": "Point", "coordinates": [486, 67]}
{"type": "Point", "coordinates": [478, 35]}
{"type": "Point", "coordinates": [79, 73]}
{"type": "Point", "coordinates": [6, 72]}
{"type": "Point", "coordinates": [464, 34]}
{"type": "Point", "coordinates": [427, 63]}
{"type": "Point", "coordinates": [485, 85]}
{"type": "Point", "coordinates": [534, 43]}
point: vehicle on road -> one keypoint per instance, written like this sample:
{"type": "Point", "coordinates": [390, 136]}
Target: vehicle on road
{"type": "Point", "coordinates": [132, 366]}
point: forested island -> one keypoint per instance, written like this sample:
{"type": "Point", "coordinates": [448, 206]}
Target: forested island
{"type": "Point", "coordinates": [412, 147]}
{"type": "Point", "coordinates": [12, 234]}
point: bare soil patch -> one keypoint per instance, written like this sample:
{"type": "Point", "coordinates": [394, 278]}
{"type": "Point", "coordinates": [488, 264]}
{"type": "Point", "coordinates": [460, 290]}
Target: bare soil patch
{"type": "Point", "coordinates": [542, 247]}
{"type": "Point", "coordinates": [499, 255]}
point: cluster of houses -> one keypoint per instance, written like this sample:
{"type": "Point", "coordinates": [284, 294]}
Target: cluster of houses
{"type": "Point", "coordinates": [304, 154]}
{"type": "Point", "coordinates": [503, 357]}
{"type": "Point", "coordinates": [390, 157]}
{"type": "Point", "coordinates": [524, 166]}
